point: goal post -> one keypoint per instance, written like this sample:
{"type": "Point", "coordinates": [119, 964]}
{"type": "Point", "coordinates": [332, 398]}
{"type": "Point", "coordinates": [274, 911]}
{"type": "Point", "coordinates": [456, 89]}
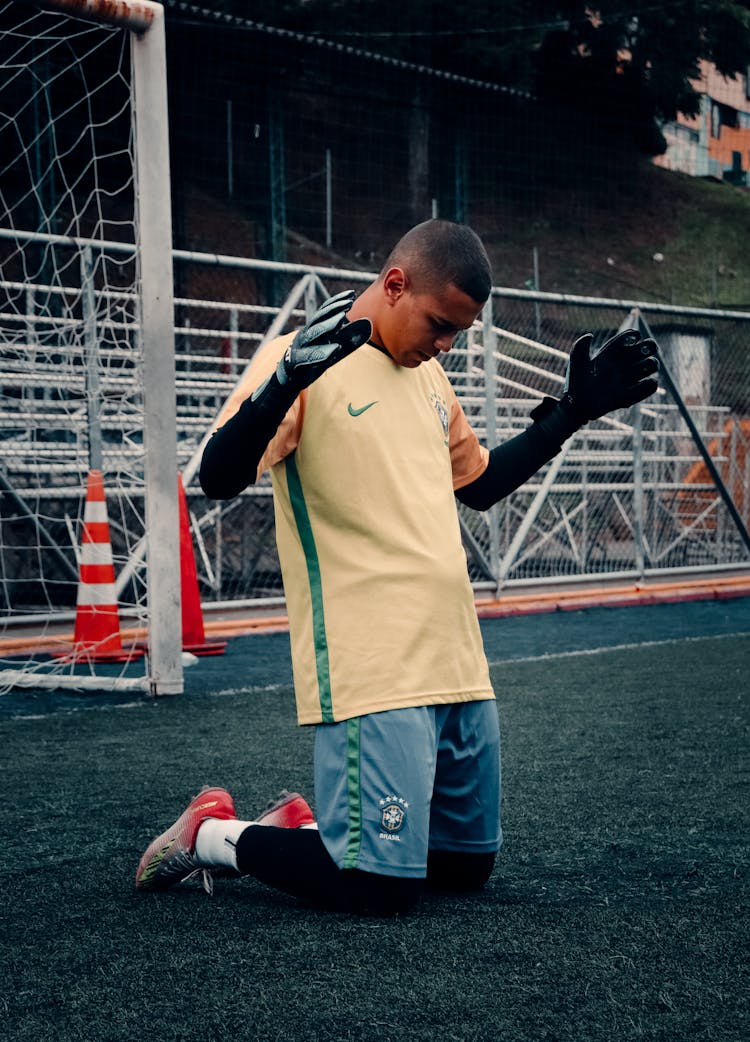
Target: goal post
{"type": "Point", "coordinates": [154, 221]}
{"type": "Point", "coordinates": [87, 360]}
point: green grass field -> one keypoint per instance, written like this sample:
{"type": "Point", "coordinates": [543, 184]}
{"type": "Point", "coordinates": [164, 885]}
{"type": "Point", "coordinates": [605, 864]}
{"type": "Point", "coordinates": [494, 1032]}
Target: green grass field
{"type": "Point", "coordinates": [618, 909]}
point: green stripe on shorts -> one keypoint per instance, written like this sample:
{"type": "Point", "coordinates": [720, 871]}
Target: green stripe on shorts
{"type": "Point", "coordinates": [304, 528]}
{"type": "Point", "coordinates": [354, 793]}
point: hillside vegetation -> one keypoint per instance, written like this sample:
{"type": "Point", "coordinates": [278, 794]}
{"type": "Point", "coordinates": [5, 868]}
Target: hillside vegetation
{"type": "Point", "coordinates": [673, 239]}
{"type": "Point", "coordinates": [666, 237]}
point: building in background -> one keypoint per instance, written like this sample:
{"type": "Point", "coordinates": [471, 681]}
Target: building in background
{"type": "Point", "coordinates": [716, 142]}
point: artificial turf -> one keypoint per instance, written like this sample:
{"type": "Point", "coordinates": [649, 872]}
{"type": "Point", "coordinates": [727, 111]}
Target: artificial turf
{"type": "Point", "coordinates": [617, 911]}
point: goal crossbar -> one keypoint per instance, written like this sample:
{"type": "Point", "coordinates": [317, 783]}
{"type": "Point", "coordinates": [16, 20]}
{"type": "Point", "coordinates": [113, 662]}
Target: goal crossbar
{"type": "Point", "coordinates": [136, 15]}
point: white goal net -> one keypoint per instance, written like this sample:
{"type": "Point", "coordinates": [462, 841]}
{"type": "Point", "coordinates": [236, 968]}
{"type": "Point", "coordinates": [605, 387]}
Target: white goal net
{"type": "Point", "coordinates": [87, 456]}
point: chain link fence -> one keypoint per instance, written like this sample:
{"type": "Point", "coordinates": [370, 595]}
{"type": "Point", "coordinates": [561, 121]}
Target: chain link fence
{"type": "Point", "coordinates": [288, 147]}
{"type": "Point", "coordinates": [630, 494]}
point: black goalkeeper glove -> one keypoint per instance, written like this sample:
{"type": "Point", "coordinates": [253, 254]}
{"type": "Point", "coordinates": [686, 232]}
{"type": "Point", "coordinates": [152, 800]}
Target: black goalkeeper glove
{"type": "Point", "coordinates": [231, 456]}
{"type": "Point", "coordinates": [621, 374]}
{"type": "Point", "coordinates": [325, 340]}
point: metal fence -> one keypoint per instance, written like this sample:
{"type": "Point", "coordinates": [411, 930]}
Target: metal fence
{"type": "Point", "coordinates": [629, 495]}
{"type": "Point", "coordinates": [632, 494]}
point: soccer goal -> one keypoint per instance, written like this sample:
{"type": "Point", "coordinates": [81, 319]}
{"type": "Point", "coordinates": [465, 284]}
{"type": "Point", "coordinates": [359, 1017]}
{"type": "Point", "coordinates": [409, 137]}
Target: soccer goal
{"type": "Point", "coordinates": [89, 519]}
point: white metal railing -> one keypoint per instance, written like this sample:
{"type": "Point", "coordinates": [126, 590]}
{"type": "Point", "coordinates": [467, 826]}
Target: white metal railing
{"type": "Point", "coordinates": [599, 462]}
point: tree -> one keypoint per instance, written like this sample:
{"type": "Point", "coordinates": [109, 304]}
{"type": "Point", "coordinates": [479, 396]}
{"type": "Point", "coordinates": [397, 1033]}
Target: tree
{"type": "Point", "coordinates": [636, 64]}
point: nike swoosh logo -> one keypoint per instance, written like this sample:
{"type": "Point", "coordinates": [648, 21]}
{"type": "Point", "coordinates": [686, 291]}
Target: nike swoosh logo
{"type": "Point", "coordinates": [358, 412]}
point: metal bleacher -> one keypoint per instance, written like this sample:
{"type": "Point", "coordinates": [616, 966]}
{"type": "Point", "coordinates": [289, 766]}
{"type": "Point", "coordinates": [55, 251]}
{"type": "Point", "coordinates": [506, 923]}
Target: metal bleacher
{"type": "Point", "coordinates": [70, 389]}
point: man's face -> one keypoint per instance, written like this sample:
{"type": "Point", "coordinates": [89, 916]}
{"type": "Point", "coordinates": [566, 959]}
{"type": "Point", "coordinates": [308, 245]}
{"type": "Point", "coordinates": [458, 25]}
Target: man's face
{"type": "Point", "coordinates": [422, 325]}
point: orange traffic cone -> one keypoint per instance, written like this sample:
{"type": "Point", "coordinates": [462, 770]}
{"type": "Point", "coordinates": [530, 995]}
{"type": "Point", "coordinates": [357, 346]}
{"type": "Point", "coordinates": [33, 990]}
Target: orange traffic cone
{"type": "Point", "coordinates": [97, 630]}
{"type": "Point", "coordinates": [193, 633]}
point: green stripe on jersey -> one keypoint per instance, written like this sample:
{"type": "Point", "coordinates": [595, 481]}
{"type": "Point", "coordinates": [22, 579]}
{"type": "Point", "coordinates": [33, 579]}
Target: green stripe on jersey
{"type": "Point", "coordinates": [353, 793]}
{"type": "Point", "coordinates": [304, 528]}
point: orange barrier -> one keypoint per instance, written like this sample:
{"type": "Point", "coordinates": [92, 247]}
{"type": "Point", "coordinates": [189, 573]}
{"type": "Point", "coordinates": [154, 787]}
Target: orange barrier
{"type": "Point", "coordinates": [672, 592]}
{"type": "Point", "coordinates": [696, 503]}
{"type": "Point", "coordinates": [512, 604]}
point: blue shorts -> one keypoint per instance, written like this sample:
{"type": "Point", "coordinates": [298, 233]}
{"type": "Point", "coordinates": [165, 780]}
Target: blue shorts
{"type": "Point", "coordinates": [391, 786]}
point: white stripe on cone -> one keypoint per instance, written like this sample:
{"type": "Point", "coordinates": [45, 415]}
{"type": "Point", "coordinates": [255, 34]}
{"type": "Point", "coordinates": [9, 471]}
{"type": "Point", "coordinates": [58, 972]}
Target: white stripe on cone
{"type": "Point", "coordinates": [96, 553]}
{"type": "Point", "coordinates": [100, 595]}
{"type": "Point", "coordinates": [95, 510]}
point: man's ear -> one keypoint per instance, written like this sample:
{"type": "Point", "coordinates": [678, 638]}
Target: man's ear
{"type": "Point", "coordinates": [395, 283]}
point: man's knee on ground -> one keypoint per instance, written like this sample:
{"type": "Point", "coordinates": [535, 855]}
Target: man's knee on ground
{"type": "Point", "coordinates": [455, 870]}
{"type": "Point", "coordinates": [369, 894]}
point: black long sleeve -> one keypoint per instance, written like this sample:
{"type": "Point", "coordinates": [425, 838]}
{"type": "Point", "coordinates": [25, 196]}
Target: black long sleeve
{"type": "Point", "coordinates": [515, 461]}
{"type": "Point", "coordinates": [231, 457]}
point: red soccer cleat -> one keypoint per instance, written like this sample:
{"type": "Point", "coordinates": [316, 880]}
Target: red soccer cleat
{"type": "Point", "coordinates": [288, 811]}
{"type": "Point", "coordinates": [171, 857]}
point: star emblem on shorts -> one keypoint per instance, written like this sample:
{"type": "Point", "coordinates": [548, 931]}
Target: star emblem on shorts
{"type": "Point", "coordinates": [393, 799]}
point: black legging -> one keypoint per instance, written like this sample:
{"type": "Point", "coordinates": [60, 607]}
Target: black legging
{"type": "Point", "coordinates": [296, 862]}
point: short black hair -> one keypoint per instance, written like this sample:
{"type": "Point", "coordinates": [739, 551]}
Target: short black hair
{"type": "Point", "coordinates": [437, 252]}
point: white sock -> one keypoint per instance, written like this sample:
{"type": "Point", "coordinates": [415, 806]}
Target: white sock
{"type": "Point", "coordinates": [216, 842]}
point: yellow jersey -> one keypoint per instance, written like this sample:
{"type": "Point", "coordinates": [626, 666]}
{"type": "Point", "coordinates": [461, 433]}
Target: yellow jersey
{"type": "Point", "coordinates": [364, 466]}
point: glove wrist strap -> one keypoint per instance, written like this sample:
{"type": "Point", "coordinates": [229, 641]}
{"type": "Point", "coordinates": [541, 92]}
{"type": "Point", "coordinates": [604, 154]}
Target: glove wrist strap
{"type": "Point", "coordinates": [273, 398]}
{"type": "Point", "coordinates": [558, 419]}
